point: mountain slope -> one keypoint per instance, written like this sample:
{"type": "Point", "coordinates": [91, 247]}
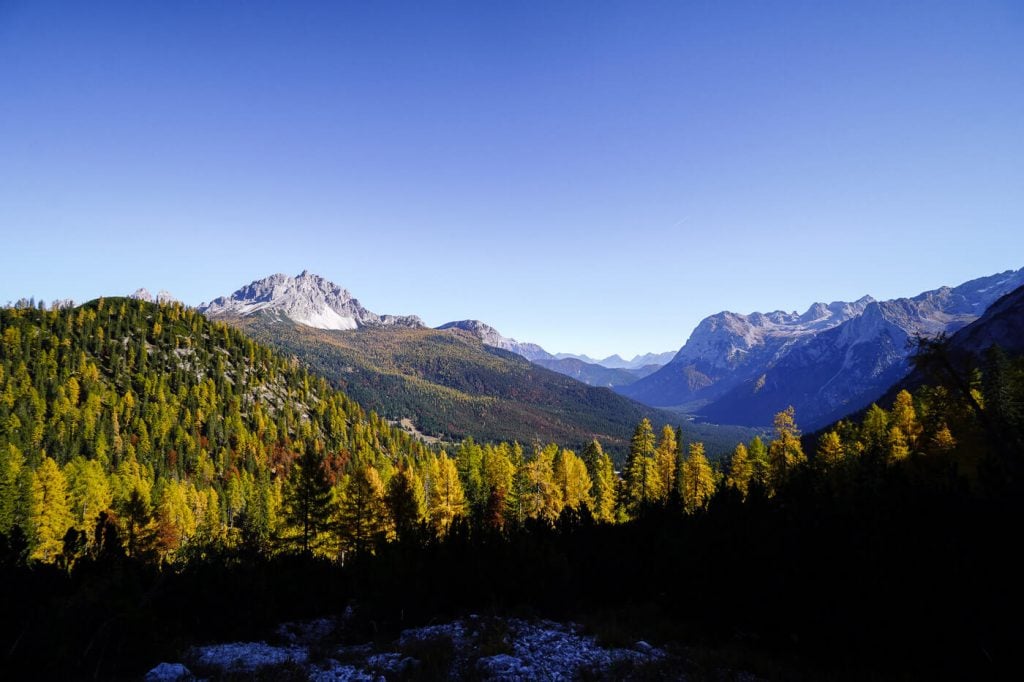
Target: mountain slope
{"type": "Point", "coordinates": [452, 385]}
{"type": "Point", "coordinates": [741, 369]}
{"type": "Point", "coordinates": [491, 337]}
{"type": "Point", "coordinates": [307, 299]}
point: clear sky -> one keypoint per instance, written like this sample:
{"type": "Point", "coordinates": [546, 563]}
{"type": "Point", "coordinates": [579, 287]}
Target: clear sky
{"type": "Point", "coordinates": [594, 177]}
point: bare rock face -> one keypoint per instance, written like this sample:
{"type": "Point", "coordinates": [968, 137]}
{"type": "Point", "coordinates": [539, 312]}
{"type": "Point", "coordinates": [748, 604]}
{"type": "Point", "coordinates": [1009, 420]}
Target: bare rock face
{"type": "Point", "coordinates": [832, 359]}
{"type": "Point", "coordinates": [491, 337]}
{"type": "Point", "coordinates": [307, 299]}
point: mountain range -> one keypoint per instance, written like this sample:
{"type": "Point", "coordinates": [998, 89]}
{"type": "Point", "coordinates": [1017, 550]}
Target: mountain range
{"type": "Point", "coordinates": [739, 369]}
{"type": "Point", "coordinates": [461, 379]}
{"type": "Point", "coordinates": [832, 359]}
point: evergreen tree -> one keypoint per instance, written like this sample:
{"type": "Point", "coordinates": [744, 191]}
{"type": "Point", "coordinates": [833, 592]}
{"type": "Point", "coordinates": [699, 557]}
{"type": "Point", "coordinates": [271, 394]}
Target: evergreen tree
{"type": "Point", "coordinates": [404, 501]}
{"type": "Point", "coordinates": [602, 474]}
{"type": "Point", "coordinates": [11, 463]}
{"type": "Point", "coordinates": [309, 503]}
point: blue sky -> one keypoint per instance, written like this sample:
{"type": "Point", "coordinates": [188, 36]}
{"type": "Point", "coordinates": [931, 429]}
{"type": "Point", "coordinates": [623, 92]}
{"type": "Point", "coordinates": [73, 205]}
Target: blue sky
{"type": "Point", "coordinates": [595, 176]}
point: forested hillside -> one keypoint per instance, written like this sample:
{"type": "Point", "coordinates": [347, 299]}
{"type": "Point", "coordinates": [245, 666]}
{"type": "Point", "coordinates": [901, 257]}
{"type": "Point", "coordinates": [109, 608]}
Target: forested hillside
{"type": "Point", "coordinates": [453, 386]}
{"type": "Point", "coordinates": [164, 478]}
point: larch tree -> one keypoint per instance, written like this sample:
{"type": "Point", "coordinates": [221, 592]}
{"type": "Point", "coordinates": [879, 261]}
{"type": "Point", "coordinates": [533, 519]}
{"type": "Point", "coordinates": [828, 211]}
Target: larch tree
{"type": "Point", "coordinates": [447, 500]}
{"type": "Point", "coordinates": [784, 452]}
{"type": "Point", "coordinates": [362, 513]}
{"type": "Point", "coordinates": [760, 471]}
{"type": "Point", "coordinates": [831, 451]}
{"type": "Point", "coordinates": [88, 492]}
{"type": "Point", "coordinates": [741, 469]}
{"type": "Point", "coordinates": [641, 472]}
{"type": "Point", "coordinates": [665, 462]}
{"type": "Point", "coordinates": [49, 514]}
{"type": "Point", "coordinates": [698, 479]}
{"type": "Point", "coordinates": [574, 479]}
{"type": "Point", "coordinates": [898, 450]}
{"type": "Point", "coordinates": [11, 463]}
{"type": "Point", "coordinates": [543, 497]}
{"type": "Point", "coordinates": [904, 416]}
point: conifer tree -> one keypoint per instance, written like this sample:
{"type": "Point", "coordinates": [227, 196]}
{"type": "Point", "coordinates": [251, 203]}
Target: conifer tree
{"type": "Point", "coordinates": [309, 503]}
{"type": "Point", "coordinates": [784, 452]}
{"type": "Point", "coordinates": [831, 452]}
{"type": "Point", "coordinates": [641, 472]}
{"type": "Point", "coordinates": [574, 480]}
{"type": "Point", "coordinates": [404, 501]}
{"type": "Point", "coordinates": [760, 473]}
{"type": "Point", "coordinates": [741, 469]}
{"type": "Point", "coordinates": [11, 463]}
{"type": "Point", "coordinates": [904, 417]}
{"type": "Point", "coordinates": [665, 463]}
{"type": "Point", "coordinates": [362, 510]}
{"type": "Point", "coordinates": [698, 479]}
{"type": "Point", "coordinates": [602, 474]}
{"type": "Point", "coordinates": [447, 499]}
{"type": "Point", "coordinates": [898, 449]}
{"type": "Point", "coordinates": [543, 496]}
{"type": "Point", "coordinates": [49, 516]}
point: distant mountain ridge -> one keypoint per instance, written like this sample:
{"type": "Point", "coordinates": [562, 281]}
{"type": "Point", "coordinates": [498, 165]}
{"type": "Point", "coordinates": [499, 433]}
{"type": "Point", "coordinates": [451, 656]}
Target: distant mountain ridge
{"type": "Point", "coordinates": [741, 369]}
{"type": "Point", "coordinates": [617, 362]}
{"type": "Point", "coordinates": [314, 301]}
{"type": "Point", "coordinates": [491, 337]}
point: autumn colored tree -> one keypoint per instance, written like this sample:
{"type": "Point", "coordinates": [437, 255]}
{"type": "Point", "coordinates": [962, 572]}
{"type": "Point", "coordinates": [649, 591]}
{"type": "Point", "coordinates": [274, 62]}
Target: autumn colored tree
{"type": "Point", "coordinates": [362, 515]}
{"type": "Point", "coordinates": [49, 515]}
{"type": "Point", "coordinates": [665, 463]}
{"type": "Point", "coordinates": [447, 499]}
{"type": "Point", "coordinates": [831, 451]}
{"type": "Point", "coordinates": [784, 452]}
{"type": "Point", "coordinates": [641, 471]}
{"type": "Point", "coordinates": [698, 479]}
{"type": "Point", "coordinates": [572, 477]}
{"type": "Point", "coordinates": [741, 469]}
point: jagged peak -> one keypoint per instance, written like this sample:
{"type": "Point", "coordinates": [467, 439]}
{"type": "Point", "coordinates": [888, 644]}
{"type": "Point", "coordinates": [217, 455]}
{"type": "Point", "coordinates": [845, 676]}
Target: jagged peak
{"type": "Point", "coordinates": [307, 298]}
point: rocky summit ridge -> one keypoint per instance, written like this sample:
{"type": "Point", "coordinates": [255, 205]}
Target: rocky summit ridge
{"type": "Point", "coordinates": [836, 357]}
{"type": "Point", "coordinates": [307, 299]}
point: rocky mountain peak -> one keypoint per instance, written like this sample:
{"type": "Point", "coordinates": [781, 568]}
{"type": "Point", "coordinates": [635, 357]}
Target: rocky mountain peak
{"type": "Point", "coordinates": [493, 338]}
{"type": "Point", "coordinates": [308, 299]}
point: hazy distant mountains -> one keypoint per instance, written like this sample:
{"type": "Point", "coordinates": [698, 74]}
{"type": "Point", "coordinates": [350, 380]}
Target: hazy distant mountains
{"type": "Point", "coordinates": [462, 379]}
{"type": "Point", "coordinates": [313, 301]}
{"type": "Point", "coordinates": [490, 336]}
{"type": "Point", "coordinates": [830, 360]}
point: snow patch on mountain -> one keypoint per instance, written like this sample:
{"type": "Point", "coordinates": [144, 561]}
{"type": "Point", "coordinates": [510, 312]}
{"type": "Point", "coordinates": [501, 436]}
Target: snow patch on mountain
{"type": "Point", "coordinates": [307, 299]}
